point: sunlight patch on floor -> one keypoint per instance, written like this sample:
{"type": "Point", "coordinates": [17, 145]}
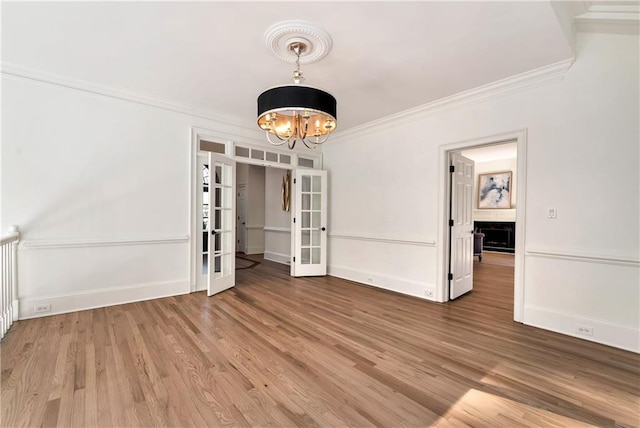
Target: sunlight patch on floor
{"type": "Point", "coordinates": [478, 407]}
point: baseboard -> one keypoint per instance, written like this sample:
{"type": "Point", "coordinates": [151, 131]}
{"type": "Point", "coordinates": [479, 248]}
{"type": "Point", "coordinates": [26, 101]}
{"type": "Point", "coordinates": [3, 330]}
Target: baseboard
{"type": "Point", "coordinates": [399, 285]}
{"type": "Point", "coordinates": [73, 302]}
{"type": "Point", "coordinates": [602, 332]}
{"type": "Point", "coordinates": [285, 259]}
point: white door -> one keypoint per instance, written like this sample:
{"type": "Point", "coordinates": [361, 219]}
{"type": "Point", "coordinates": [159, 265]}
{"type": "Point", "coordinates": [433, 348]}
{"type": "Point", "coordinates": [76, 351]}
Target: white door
{"type": "Point", "coordinates": [461, 226]}
{"type": "Point", "coordinates": [309, 223]}
{"type": "Point", "coordinates": [241, 224]}
{"type": "Point", "coordinates": [222, 232]}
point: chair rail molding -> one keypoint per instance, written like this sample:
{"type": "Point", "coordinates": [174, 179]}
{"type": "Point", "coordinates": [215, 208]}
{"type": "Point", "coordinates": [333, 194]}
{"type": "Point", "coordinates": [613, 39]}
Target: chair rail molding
{"type": "Point", "coordinates": [277, 229]}
{"type": "Point", "coordinates": [388, 240]}
{"type": "Point", "coordinates": [101, 242]}
{"type": "Point", "coordinates": [609, 259]}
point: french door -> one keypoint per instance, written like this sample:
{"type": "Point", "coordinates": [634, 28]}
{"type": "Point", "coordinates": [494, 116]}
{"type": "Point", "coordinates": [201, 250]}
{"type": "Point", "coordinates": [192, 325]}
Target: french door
{"type": "Point", "coordinates": [309, 223]}
{"type": "Point", "coordinates": [461, 229]}
{"type": "Point", "coordinates": [221, 230]}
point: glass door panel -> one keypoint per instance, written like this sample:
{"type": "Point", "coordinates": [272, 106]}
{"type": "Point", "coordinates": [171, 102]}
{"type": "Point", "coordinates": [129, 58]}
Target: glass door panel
{"type": "Point", "coordinates": [221, 234]}
{"type": "Point", "coordinates": [309, 240]}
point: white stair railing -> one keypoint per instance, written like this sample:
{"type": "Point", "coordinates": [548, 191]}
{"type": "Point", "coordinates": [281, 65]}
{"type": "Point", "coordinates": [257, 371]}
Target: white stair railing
{"type": "Point", "coordinates": [9, 294]}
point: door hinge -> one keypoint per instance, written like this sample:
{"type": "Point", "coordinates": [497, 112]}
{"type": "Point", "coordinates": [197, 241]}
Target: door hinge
{"type": "Point", "coordinates": [452, 168]}
{"type": "Point", "coordinates": [294, 219]}
{"type": "Point", "coordinates": [450, 276]}
{"type": "Point", "coordinates": [450, 222]}
{"type": "Point", "coordinates": [294, 181]}
{"type": "Point", "coordinates": [294, 259]}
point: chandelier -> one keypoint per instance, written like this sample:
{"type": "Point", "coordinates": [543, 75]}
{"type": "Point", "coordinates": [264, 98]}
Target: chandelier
{"type": "Point", "coordinates": [295, 112]}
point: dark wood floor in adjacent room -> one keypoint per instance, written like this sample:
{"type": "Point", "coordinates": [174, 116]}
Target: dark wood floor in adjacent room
{"type": "Point", "coordinates": [278, 351]}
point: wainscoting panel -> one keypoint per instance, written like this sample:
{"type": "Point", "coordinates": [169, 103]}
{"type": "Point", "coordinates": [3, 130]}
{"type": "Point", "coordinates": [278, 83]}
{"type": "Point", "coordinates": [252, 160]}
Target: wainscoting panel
{"type": "Point", "coordinates": [411, 288]}
{"type": "Point", "coordinates": [277, 244]}
{"type": "Point", "coordinates": [587, 296]}
{"type": "Point", "coordinates": [64, 303]}
{"type": "Point", "coordinates": [401, 265]}
{"type": "Point", "coordinates": [81, 274]}
{"type": "Point", "coordinates": [603, 332]}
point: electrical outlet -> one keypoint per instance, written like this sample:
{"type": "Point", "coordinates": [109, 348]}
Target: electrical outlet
{"type": "Point", "coordinates": [583, 329]}
{"type": "Point", "coordinates": [552, 212]}
{"type": "Point", "coordinates": [42, 308]}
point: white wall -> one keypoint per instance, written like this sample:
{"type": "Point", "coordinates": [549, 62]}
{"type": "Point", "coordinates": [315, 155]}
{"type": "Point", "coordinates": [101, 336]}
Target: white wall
{"type": "Point", "coordinates": [242, 174]}
{"type": "Point", "coordinates": [487, 167]}
{"type": "Point", "coordinates": [100, 189]}
{"type": "Point", "coordinates": [252, 177]}
{"type": "Point", "coordinates": [277, 222]}
{"type": "Point", "coordinates": [583, 158]}
{"type": "Point", "coordinates": [255, 210]}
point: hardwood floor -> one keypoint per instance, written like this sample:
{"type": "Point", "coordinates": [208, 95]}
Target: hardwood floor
{"type": "Point", "coordinates": [278, 351]}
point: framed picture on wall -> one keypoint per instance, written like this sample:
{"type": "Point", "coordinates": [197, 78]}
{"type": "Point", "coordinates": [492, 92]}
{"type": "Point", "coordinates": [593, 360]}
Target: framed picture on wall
{"type": "Point", "coordinates": [494, 190]}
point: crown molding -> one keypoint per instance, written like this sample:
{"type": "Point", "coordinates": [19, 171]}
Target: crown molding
{"type": "Point", "coordinates": [610, 17]}
{"type": "Point", "coordinates": [510, 84]}
{"type": "Point", "coordinates": [14, 70]}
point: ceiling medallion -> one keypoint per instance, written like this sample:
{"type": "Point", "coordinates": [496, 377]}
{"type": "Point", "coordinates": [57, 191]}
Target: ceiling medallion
{"type": "Point", "coordinates": [296, 112]}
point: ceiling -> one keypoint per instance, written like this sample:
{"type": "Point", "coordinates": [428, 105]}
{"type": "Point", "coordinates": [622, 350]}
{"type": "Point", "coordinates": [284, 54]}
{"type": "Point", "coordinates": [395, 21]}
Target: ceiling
{"type": "Point", "coordinates": [387, 57]}
{"type": "Point", "coordinates": [492, 153]}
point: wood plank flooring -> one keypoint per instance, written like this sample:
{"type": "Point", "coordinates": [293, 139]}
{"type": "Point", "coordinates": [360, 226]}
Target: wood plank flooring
{"type": "Point", "coordinates": [278, 351]}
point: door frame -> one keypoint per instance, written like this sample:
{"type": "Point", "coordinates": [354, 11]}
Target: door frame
{"type": "Point", "coordinates": [231, 144]}
{"type": "Point", "coordinates": [198, 135]}
{"type": "Point", "coordinates": [520, 138]}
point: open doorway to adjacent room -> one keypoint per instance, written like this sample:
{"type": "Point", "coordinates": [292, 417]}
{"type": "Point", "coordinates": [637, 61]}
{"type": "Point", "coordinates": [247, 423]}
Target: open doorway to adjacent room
{"type": "Point", "coordinates": [263, 222]}
{"type": "Point", "coordinates": [263, 226]}
{"type": "Point", "coordinates": [495, 188]}
{"type": "Point", "coordinates": [484, 221]}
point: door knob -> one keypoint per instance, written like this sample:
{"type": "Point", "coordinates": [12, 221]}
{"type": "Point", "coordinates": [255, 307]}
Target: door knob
{"type": "Point", "coordinates": [213, 232]}
{"type": "Point", "coordinates": [323, 228]}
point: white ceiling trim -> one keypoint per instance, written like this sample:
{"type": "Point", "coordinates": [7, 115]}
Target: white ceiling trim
{"type": "Point", "coordinates": [510, 84]}
{"type": "Point", "coordinates": [610, 17]}
{"type": "Point", "coordinates": [14, 70]}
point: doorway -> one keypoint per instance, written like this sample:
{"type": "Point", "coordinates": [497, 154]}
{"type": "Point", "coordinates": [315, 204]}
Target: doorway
{"type": "Point", "coordinates": [514, 142]}
{"type": "Point", "coordinates": [262, 226]}
{"type": "Point", "coordinates": [203, 141]}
